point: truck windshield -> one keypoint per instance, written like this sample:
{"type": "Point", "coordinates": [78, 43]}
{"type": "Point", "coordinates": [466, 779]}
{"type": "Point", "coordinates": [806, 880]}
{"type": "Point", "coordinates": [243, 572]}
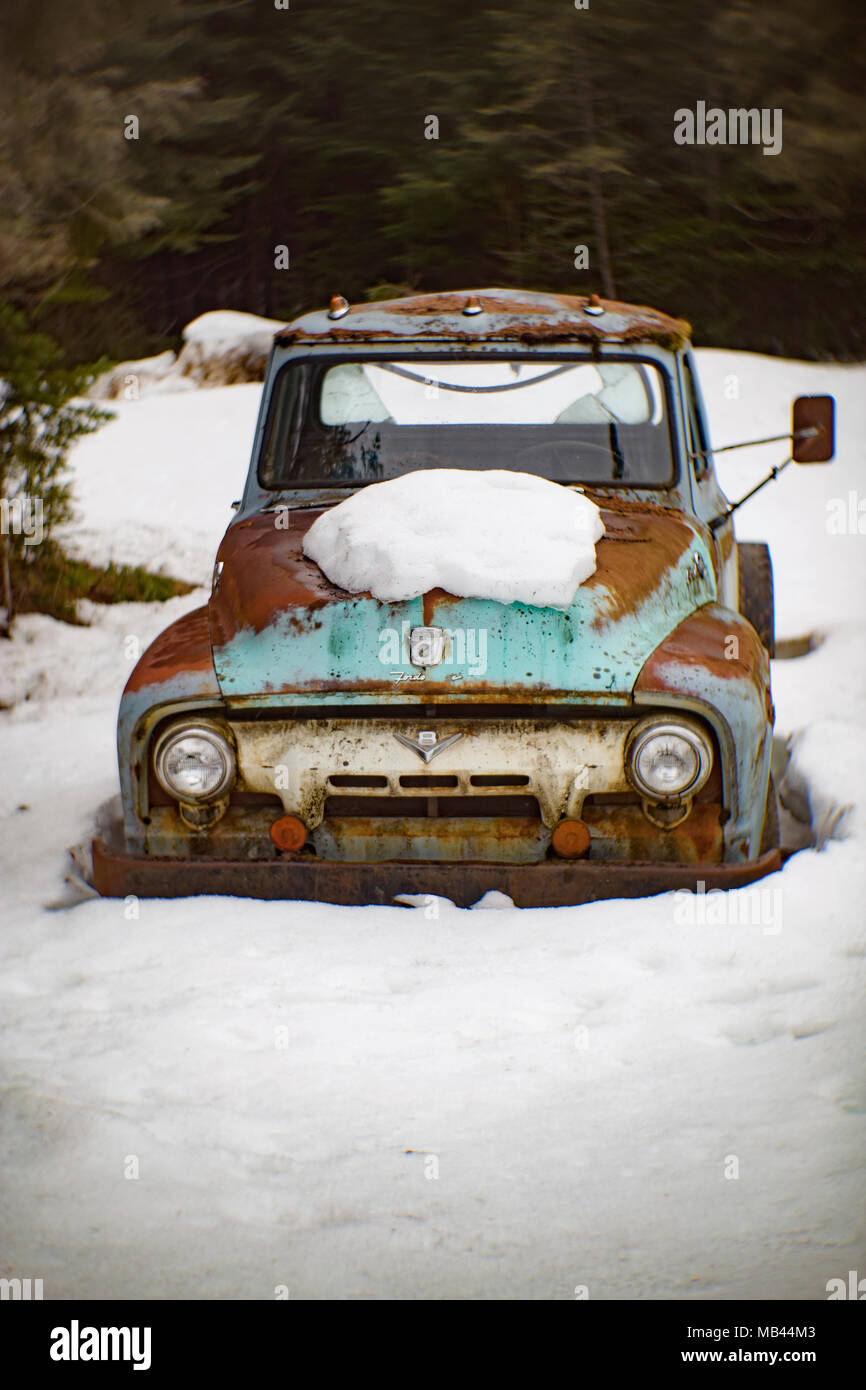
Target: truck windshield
{"type": "Point", "coordinates": [601, 423]}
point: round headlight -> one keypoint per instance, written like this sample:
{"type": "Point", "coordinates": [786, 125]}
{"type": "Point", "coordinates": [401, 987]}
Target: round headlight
{"type": "Point", "coordinates": [194, 763]}
{"type": "Point", "coordinates": [668, 760]}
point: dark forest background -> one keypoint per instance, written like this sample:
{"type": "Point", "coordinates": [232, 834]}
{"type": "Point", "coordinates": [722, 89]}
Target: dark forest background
{"type": "Point", "coordinates": [304, 127]}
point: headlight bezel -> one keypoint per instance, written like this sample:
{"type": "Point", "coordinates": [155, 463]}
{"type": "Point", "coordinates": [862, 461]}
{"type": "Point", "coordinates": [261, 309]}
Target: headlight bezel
{"type": "Point", "coordinates": [670, 726]}
{"type": "Point", "coordinates": [212, 732]}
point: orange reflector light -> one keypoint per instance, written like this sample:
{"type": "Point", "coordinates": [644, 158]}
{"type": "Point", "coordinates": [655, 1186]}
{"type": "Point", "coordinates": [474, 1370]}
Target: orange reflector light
{"type": "Point", "coordinates": [288, 832]}
{"type": "Point", "coordinates": [571, 839]}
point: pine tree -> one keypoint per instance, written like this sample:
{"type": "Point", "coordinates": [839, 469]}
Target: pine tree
{"type": "Point", "coordinates": [39, 421]}
{"type": "Point", "coordinates": [107, 138]}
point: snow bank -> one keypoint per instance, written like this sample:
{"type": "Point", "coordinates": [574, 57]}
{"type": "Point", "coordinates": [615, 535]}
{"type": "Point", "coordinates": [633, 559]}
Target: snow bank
{"type": "Point", "coordinates": [229, 326]}
{"type": "Point", "coordinates": [506, 536]}
{"type": "Point", "coordinates": [130, 381]}
{"type": "Point", "coordinates": [153, 486]}
{"type": "Point", "coordinates": [225, 347]}
{"type": "Point", "coordinates": [50, 661]}
{"type": "Point", "coordinates": [825, 779]}
{"type": "Point", "coordinates": [221, 348]}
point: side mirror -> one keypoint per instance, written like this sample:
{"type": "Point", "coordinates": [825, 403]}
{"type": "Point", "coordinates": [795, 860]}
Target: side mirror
{"type": "Point", "coordinates": [813, 429]}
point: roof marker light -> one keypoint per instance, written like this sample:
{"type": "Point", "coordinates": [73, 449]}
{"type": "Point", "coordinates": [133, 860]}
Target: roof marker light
{"type": "Point", "coordinates": [472, 306]}
{"type": "Point", "coordinates": [594, 307]}
{"type": "Point", "coordinates": [339, 307]}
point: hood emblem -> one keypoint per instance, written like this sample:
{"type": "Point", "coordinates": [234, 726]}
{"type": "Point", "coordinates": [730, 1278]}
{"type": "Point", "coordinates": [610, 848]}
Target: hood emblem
{"type": "Point", "coordinates": [426, 745]}
{"type": "Point", "coordinates": [426, 646]}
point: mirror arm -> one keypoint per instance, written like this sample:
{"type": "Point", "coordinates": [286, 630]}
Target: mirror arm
{"type": "Point", "coordinates": [808, 433]}
{"type": "Point", "coordinates": [718, 521]}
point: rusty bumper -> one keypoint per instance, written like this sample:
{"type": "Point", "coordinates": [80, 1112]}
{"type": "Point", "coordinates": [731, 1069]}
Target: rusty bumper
{"type": "Point", "coordinates": [553, 883]}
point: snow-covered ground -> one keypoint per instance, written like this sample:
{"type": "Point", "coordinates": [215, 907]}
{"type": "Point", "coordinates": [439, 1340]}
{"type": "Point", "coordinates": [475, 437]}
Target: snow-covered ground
{"type": "Point", "coordinates": [222, 1098]}
{"type": "Point", "coordinates": [155, 485]}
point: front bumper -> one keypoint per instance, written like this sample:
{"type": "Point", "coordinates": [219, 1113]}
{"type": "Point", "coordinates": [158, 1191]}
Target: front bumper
{"type": "Point", "coordinates": [118, 874]}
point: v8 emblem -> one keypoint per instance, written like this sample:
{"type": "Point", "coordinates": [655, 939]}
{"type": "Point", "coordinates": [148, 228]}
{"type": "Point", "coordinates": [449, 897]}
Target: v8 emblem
{"type": "Point", "coordinates": [427, 745]}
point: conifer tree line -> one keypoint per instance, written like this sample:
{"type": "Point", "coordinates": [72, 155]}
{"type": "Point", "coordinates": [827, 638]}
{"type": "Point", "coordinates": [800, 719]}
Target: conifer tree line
{"type": "Point", "coordinates": [308, 127]}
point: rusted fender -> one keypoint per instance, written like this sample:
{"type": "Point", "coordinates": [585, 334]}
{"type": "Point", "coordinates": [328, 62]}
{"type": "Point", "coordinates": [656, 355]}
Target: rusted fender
{"type": "Point", "coordinates": [176, 671]}
{"type": "Point", "coordinates": [714, 664]}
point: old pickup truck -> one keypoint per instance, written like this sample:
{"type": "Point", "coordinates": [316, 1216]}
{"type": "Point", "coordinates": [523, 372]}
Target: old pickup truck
{"type": "Point", "coordinates": [616, 747]}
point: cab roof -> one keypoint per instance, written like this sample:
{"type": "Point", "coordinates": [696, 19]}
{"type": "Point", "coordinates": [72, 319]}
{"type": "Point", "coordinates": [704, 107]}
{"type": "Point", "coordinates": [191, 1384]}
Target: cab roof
{"type": "Point", "coordinates": [497, 315]}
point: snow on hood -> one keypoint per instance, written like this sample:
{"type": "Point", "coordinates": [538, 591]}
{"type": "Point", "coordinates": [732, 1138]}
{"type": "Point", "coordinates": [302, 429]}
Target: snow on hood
{"type": "Point", "coordinates": [490, 534]}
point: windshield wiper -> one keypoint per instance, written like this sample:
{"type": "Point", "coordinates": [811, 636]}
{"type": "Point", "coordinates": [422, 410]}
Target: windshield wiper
{"type": "Point", "coordinates": [616, 452]}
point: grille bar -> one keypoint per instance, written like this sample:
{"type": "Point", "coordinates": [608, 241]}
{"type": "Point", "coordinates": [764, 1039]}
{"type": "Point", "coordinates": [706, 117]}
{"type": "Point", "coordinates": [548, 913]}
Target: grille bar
{"type": "Point", "coordinates": [428, 780]}
{"type": "Point", "coordinates": [452, 807]}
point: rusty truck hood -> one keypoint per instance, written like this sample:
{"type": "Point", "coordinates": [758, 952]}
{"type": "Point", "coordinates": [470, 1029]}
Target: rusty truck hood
{"type": "Point", "coordinates": [282, 633]}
